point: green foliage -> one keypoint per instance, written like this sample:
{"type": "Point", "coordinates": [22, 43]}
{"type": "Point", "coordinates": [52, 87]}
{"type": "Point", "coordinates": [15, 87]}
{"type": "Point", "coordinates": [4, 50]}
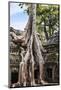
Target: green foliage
{"type": "Point", "coordinates": [25, 4]}
{"type": "Point", "coordinates": [48, 17]}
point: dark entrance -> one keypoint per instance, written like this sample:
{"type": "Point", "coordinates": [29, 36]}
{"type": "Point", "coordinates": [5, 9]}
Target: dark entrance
{"type": "Point", "coordinates": [14, 77]}
{"type": "Point", "coordinates": [36, 75]}
{"type": "Point", "coordinates": [49, 74]}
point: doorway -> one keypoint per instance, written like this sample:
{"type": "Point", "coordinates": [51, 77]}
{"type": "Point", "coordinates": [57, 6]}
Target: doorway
{"type": "Point", "coordinates": [49, 74]}
{"type": "Point", "coordinates": [14, 77]}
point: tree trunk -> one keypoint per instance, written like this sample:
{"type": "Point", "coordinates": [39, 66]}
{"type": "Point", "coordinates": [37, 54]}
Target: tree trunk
{"type": "Point", "coordinates": [46, 34]}
{"type": "Point", "coordinates": [32, 53]}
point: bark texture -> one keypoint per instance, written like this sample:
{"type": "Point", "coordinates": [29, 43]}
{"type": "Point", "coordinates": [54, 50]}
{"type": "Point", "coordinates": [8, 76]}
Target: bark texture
{"type": "Point", "coordinates": [32, 53]}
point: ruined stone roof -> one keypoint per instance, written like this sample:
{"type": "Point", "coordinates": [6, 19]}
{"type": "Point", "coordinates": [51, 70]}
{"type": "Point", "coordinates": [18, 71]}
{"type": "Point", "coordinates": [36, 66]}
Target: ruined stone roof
{"type": "Point", "coordinates": [17, 32]}
{"type": "Point", "coordinates": [52, 54]}
{"type": "Point", "coordinates": [54, 39]}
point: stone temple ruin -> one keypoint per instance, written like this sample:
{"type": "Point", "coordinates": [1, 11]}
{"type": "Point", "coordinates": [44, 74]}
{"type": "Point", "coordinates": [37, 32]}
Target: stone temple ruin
{"type": "Point", "coordinates": [51, 59]}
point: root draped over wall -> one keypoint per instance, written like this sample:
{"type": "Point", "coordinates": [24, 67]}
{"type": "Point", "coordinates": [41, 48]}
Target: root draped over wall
{"type": "Point", "coordinates": [32, 53]}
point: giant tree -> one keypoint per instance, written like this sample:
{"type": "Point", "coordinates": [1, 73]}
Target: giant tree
{"type": "Point", "coordinates": [31, 51]}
